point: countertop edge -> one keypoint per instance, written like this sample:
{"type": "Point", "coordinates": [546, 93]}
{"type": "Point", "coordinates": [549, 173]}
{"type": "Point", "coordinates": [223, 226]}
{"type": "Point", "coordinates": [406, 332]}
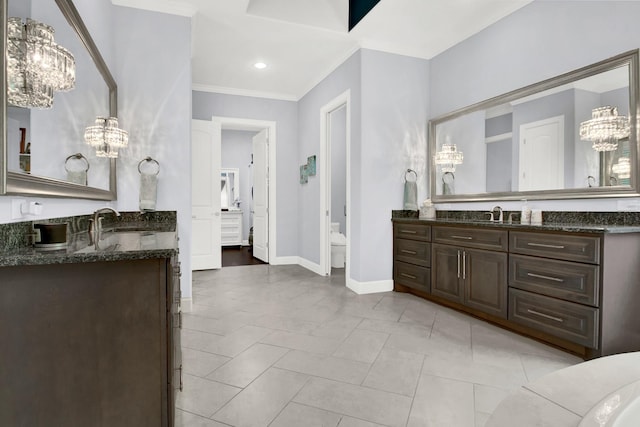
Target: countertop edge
{"type": "Point", "coordinates": [571, 228]}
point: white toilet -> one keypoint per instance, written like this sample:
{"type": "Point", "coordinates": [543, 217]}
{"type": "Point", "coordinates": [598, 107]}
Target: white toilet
{"type": "Point", "coordinates": [338, 246]}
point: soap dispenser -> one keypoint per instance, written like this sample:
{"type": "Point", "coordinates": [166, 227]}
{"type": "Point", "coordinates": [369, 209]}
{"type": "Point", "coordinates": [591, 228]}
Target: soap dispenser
{"type": "Point", "coordinates": [525, 214]}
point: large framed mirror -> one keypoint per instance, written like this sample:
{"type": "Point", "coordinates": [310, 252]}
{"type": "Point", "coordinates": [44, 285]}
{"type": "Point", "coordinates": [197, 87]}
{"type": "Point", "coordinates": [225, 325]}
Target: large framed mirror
{"type": "Point", "coordinates": [42, 150]}
{"type": "Point", "coordinates": [544, 141]}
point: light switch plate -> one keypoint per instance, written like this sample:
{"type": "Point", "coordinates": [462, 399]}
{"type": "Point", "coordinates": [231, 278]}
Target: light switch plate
{"type": "Point", "coordinates": [16, 205]}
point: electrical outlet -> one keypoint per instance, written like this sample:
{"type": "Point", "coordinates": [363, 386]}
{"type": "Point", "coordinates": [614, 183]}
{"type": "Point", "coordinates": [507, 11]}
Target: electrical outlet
{"type": "Point", "coordinates": [16, 208]}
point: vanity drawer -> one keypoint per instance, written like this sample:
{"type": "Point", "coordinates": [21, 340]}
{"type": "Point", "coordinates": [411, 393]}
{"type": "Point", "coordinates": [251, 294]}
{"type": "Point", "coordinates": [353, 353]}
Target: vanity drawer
{"type": "Point", "coordinates": [561, 246]}
{"type": "Point", "coordinates": [560, 279]}
{"type": "Point", "coordinates": [573, 322]}
{"type": "Point", "coordinates": [412, 231]}
{"type": "Point", "coordinates": [412, 276]}
{"type": "Point", "coordinates": [472, 237]}
{"type": "Point", "coordinates": [413, 252]}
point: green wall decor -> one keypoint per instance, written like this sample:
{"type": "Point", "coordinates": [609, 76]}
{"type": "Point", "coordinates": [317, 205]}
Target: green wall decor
{"type": "Point", "coordinates": [311, 165]}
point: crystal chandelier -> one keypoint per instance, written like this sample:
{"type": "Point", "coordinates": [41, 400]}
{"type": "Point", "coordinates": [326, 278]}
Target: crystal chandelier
{"type": "Point", "coordinates": [449, 157]}
{"type": "Point", "coordinates": [36, 66]}
{"type": "Point", "coordinates": [605, 128]}
{"type": "Point", "coordinates": [106, 137]}
{"type": "Point", "coordinates": [622, 168]}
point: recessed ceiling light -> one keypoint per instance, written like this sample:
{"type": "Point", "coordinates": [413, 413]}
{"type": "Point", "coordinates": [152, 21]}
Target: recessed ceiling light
{"type": "Point", "coordinates": [260, 65]}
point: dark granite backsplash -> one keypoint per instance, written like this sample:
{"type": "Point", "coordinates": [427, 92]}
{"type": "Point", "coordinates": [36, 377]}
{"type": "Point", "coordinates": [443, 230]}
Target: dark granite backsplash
{"type": "Point", "coordinates": [18, 235]}
{"type": "Point", "coordinates": [548, 217]}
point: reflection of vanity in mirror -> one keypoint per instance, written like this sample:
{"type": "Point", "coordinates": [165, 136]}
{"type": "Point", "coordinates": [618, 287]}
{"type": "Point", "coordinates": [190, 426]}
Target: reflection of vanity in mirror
{"type": "Point", "coordinates": [40, 141]}
{"type": "Point", "coordinates": [231, 223]}
{"type": "Point", "coordinates": [538, 142]}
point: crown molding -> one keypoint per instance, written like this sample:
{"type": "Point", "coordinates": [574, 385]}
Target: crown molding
{"type": "Point", "coordinates": [243, 92]}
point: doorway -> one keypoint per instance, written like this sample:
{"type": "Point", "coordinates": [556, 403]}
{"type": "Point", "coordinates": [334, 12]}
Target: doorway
{"type": "Point", "coordinates": [335, 223]}
{"type": "Point", "coordinates": [541, 165]}
{"type": "Point", "coordinates": [260, 187]}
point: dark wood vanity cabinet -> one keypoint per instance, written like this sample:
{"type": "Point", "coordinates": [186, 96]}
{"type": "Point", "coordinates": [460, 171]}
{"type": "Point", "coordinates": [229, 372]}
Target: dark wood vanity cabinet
{"type": "Point", "coordinates": [576, 290]}
{"type": "Point", "coordinates": [87, 344]}
{"type": "Point", "coordinates": [476, 278]}
{"type": "Point", "coordinates": [412, 256]}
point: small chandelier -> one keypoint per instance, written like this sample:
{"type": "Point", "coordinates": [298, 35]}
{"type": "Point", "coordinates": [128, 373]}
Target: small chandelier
{"type": "Point", "coordinates": [449, 157]}
{"type": "Point", "coordinates": [622, 168]}
{"type": "Point", "coordinates": [605, 128]}
{"type": "Point", "coordinates": [36, 66]}
{"type": "Point", "coordinates": [106, 137]}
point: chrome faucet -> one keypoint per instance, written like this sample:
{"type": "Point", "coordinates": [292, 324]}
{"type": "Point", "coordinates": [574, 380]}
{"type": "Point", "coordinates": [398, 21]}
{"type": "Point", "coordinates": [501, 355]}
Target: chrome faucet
{"type": "Point", "coordinates": [95, 224]}
{"type": "Point", "coordinates": [497, 210]}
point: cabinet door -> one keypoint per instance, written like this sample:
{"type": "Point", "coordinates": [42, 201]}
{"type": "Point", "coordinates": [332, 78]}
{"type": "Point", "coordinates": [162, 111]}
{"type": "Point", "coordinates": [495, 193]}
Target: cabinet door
{"type": "Point", "coordinates": [485, 281]}
{"type": "Point", "coordinates": [446, 272]}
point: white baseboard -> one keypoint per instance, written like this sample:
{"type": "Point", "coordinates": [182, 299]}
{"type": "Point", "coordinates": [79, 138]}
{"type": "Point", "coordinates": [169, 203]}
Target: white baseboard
{"type": "Point", "coordinates": [372, 287]}
{"type": "Point", "coordinates": [309, 265]}
{"type": "Point", "coordinates": [360, 288]}
{"type": "Point", "coordinates": [284, 260]}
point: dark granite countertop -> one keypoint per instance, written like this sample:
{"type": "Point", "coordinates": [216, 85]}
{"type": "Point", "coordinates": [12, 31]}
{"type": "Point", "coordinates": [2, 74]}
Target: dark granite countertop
{"type": "Point", "coordinates": [574, 228]}
{"type": "Point", "coordinates": [114, 246]}
{"type": "Point", "coordinates": [573, 222]}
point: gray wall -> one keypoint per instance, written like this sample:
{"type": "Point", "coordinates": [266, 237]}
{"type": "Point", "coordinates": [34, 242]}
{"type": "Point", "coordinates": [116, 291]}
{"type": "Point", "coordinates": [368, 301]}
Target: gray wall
{"type": "Point", "coordinates": [284, 113]}
{"type": "Point", "coordinates": [346, 76]}
{"type": "Point", "coordinates": [237, 146]}
{"type": "Point", "coordinates": [539, 41]}
{"type": "Point", "coordinates": [394, 108]}
{"type": "Point", "coordinates": [388, 110]}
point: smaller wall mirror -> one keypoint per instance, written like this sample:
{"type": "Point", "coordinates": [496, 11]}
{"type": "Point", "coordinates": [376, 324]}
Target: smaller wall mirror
{"type": "Point", "coordinates": [530, 143]}
{"type": "Point", "coordinates": [229, 188]}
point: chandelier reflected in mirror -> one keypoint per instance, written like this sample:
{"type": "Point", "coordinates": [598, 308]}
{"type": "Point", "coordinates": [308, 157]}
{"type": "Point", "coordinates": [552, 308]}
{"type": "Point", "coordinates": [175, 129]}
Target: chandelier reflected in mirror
{"type": "Point", "coordinates": [605, 128]}
{"type": "Point", "coordinates": [106, 137]}
{"type": "Point", "coordinates": [449, 156]}
{"type": "Point", "coordinates": [37, 67]}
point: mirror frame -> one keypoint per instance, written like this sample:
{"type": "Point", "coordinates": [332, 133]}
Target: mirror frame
{"type": "Point", "coordinates": [14, 183]}
{"type": "Point", "coordinates": [629, 58]}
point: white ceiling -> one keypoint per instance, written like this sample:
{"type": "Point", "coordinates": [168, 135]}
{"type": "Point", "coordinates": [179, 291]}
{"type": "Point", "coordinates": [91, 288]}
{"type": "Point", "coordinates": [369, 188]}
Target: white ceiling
{"type": "Point", "coordinates": [302, 41]}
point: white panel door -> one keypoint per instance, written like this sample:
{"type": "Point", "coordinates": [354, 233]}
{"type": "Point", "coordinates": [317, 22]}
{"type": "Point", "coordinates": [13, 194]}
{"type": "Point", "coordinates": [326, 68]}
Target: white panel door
{"type": "Point", "coordinates": [206, 251]}
{"type": "Point", "coordinates": [261, 196]}
{"type": "Point", "coordinates": [542, 155]}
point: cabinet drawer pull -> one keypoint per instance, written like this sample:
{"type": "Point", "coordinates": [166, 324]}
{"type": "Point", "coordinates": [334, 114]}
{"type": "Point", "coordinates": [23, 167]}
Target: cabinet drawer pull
{"type": "Point", "coordinates": [546, 316]}
{"type": "Point", "coordinates": [180, 377]}
{"type": "Point", "coordinates": [405, 251]}
{"type": "Point", "coordinates": [462, 237]}
{"type": "Point", "coordinates": [410, 276]}
{"type": "Point", "coordinates": [540, 276]}
{"type": "Point", "coordinates": [408, 231]}
{"type": "Point", "coordinates": [544, 245]}
{"type": "Point", "coordinates": [458, 264]}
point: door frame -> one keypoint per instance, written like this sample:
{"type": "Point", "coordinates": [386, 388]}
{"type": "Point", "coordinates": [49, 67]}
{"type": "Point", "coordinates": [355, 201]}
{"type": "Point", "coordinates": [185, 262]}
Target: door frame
{"type": "Point", "coordinates": [237, 123]}
{"type": "Point", "coordinates": [524, 127]}
{"type": "Point", "coordinates": [344, 99]}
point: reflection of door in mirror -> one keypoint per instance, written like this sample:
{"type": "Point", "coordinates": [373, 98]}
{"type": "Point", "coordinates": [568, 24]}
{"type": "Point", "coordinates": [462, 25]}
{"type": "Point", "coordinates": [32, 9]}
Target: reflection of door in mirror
{"type": "Point", "coordinates": [229, 188]}
{"type": "Point", "coordinates": [541, 155]}
{"type": "Point", "coordinates": [57, 132]}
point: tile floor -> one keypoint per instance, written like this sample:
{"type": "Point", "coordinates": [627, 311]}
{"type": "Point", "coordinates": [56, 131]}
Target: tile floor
{"type": "Point", "coordinates": [280, 346]}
